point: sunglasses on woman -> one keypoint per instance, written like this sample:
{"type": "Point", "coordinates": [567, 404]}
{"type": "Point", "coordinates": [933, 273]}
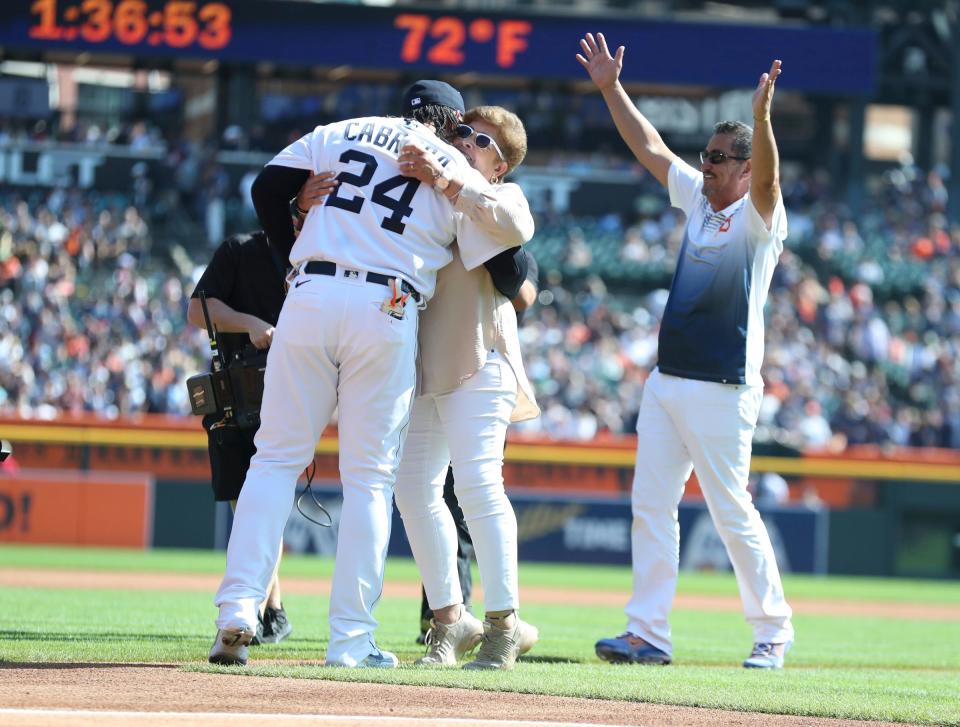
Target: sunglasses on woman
{"type": "Point", "coordinates": [482, 141]}
{"type": "Point", "coordinates": [715, 156]}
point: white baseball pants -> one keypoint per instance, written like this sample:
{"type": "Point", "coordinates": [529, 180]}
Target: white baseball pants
{"type": "Point", "coordinates": [466, 427]}
{"type": "Point", "coordinates": [332, 344]}
{"type": "Point", "coordinates": [686, 424]}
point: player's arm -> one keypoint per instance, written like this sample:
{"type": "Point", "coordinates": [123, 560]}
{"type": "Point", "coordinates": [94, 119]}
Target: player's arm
{"type": "Point", "coordinates": [525, 298]}
{"type": "Point", "coordinates": [508, 270]}
{"type": "Point", "coordinates": [272, 191]}
{"type": "Point", "coordinates": [638, 133]}
{"type": "Point", "coordinates": [527, 294]}
{"type": "Point", "coordinates": [765, 175]}
{"type": "Point", "coordinates": [314, 192]}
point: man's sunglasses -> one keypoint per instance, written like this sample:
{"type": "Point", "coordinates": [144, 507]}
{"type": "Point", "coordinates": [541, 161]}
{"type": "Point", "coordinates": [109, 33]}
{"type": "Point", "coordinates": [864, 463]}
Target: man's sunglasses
{"type": "Point", "coordinates": [482, 141]}
{"type": "Point", "coordinates": [715, 156]}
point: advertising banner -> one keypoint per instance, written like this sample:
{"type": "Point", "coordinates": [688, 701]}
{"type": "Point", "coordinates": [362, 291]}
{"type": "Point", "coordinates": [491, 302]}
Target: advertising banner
{"type": "Point", "coordinates": [564, 529]}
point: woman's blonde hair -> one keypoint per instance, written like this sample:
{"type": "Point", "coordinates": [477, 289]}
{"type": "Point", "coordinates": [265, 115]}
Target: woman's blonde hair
{"type": "Point", "coordinates": [511, 136]}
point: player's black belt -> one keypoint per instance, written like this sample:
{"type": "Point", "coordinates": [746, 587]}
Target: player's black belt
{"type": "Point", "coordinates": [325, 267]}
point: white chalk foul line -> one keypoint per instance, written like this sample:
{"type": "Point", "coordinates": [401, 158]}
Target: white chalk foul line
{"type": "Point", "coordinates": [343, 719]}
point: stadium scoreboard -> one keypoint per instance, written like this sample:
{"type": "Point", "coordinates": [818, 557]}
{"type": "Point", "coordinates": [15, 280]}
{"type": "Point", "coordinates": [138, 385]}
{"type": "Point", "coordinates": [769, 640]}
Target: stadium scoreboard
{"type": "Point", "coordinates": [827, 60]}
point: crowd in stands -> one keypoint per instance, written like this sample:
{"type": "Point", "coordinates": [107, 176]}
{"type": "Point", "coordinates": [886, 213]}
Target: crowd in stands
{"type": "Point", "coordinates": [90, 319]}
{"type": "Point", "coordinates": [863, 320]}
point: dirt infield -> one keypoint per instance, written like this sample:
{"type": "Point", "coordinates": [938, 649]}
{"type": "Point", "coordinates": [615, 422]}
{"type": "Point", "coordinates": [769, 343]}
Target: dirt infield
{"type": "Point", "coordinates": [155, 688]}
{"type": "Point", "coordinates": [160, 694]}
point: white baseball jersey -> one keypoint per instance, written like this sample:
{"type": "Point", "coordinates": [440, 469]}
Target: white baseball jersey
{"type": "Point", "coordinates": [377, 220]}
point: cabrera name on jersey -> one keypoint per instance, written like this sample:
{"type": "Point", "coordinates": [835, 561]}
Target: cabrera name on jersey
{"type": "Point", "coordinates": [374, 202]}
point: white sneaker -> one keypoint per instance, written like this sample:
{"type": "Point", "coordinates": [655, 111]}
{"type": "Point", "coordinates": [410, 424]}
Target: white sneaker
{"type": "Point", "coordinates": [377, 659]}
{"type": "Point", "coordinates": [501, 647]}
{"type": "Point", "coordinates": [767, 656]}
{"type": "Point", "coordinates": [380, 659]}
{"type": "Point", "coordinates": [447, 643]}
{"type": "Point", "coordinates": [230, 647]}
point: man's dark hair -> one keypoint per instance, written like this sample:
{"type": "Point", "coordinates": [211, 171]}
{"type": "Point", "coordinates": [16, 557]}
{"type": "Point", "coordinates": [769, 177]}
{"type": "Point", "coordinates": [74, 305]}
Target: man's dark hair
{"type": "Point", "coordinates": [443, 118]}
{"type": "Point", "coordinates": [742, 136]}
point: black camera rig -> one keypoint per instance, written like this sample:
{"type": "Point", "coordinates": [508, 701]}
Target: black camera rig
{"type": "Point", "coordinates": [233, 387]}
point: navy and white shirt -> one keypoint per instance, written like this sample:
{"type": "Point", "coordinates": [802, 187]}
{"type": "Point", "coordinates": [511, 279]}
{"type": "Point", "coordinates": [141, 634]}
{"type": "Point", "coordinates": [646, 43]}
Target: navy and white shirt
{"type": "Point", "coordinates": [712, 328]}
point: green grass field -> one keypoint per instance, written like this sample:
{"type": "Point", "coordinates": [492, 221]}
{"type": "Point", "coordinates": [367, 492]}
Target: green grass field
{"type": "Point", "coordinates": [859, 667]}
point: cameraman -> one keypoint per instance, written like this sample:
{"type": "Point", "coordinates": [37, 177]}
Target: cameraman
{"type": "Point", "coordinates": [245, 287]}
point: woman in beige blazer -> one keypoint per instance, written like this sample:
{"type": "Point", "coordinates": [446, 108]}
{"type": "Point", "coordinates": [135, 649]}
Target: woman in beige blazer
{"type": "Point", "coordinates": [472, 386]}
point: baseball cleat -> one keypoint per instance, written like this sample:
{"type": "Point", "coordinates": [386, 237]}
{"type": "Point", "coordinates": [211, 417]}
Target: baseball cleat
{"type": "Point", "coordinates": [767, 656]}
{"type": "Point", "coordinates": [377, 659]}
{"type": "Point", "coordinates": [276, 627]}
{"type": "Point", "coordinates": [258, 635]}
{"type": "Point", "coordinates": [629, 648]}
{"type": "Point", "coordinates": [447, 643]}
{"type": "Point", "coordinates": [501, 646]}
{"type": "Point", "coordinates": [230, 647]}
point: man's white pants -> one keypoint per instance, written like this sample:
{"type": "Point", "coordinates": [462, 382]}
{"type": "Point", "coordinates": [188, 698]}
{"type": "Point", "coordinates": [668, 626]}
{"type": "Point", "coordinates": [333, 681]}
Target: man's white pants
{"type": "Point", "coordinates": [332, 343]}
{"type": "Point", "coordinates": [466, 428]}
{"type": "Point", "coordinates": [686, 424]}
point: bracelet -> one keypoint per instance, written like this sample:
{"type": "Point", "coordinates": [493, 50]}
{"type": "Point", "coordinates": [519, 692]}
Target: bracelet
{"type": "Point", "coordinates": [295, 210]}
{"type": "Point", "coordinates": [764, 120]}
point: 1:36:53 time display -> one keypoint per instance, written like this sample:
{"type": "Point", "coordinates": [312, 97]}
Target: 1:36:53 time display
{"type": "Point", "coordinates": [174, 23]}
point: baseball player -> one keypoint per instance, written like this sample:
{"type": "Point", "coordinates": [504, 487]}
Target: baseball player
{"type": "Point", "coordinates": [700, 404]}
{"type": "Point", "coordinates": [472, 385]}
{"type": "Point", "coordinates": [365, 261]}
{"type": "Point", "coordinates": [245, 286]}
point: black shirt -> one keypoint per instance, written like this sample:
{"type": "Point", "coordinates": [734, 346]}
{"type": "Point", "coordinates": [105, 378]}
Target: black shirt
{"type": "Point", "coordinates": [246, 275]}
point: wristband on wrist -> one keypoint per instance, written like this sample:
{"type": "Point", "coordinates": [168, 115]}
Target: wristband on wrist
{"type": "Point", "coordinates": [295, 210]}
{"type": "Point", "coordinates": [762, 120]}
{"type": "Point", "coordinates": [441, 181]}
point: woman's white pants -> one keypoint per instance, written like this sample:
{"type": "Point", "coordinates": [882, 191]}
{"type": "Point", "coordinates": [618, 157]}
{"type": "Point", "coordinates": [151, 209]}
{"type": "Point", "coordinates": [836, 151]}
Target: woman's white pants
{"type": "Point", "coordinates": [466, 428]}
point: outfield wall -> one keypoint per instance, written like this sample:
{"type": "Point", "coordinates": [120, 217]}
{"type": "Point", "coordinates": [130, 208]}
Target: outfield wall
{"type": "Point", "coordinates": [564, 528]}
{"type": "Point", "coordinates": [877, 513]}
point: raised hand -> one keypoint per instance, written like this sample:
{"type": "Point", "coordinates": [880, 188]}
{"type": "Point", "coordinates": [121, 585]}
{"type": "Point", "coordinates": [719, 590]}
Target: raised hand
{"type": "Point", "coordinates": [603, 68]}
{"type": "Point", "coordinates": [763, 96]}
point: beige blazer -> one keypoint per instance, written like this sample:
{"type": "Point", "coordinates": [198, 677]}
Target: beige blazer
{"type": "Point", "coordinates": [467, 317]}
